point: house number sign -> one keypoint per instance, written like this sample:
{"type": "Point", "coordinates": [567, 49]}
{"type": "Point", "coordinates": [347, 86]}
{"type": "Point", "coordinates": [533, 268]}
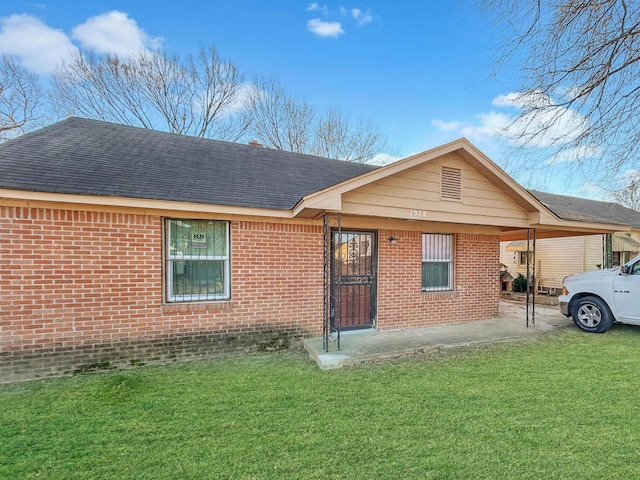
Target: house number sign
{"type": "Point", "coordinates": [199, 240]}
{"type": "Point", "coordinates": [419, 213]}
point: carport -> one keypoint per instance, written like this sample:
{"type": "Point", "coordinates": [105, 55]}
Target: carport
{"type": "Point", "coordinates": [374, 225]}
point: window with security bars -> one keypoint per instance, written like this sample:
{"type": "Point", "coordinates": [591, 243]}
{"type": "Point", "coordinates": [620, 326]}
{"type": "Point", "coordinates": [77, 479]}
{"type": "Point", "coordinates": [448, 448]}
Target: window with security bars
{"type": "Point", "coordinates": [437, 262]}
{"type": "Point", "coordinates": [197, 260]}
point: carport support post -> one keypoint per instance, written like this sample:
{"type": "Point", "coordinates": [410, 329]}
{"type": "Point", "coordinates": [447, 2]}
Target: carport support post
{"type": "Point", "coordinates": [338, 313]}
{"type": "Point", "coordinates": [531, 276]}
{"type": "Point", "coordinates": [332, 297]}
{"type": "Point", "coordinates": [608, 251]}
{"type": "Point", "coordinates": [326, 313]}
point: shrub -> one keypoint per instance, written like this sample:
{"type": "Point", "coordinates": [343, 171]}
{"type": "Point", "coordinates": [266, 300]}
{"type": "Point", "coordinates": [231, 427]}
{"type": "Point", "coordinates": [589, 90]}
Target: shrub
{"type": "Point", "coordinates": [520, 284]}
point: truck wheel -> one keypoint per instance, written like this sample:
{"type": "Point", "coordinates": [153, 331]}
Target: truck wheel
{"type": "Point", "coordinates": [592, 314]}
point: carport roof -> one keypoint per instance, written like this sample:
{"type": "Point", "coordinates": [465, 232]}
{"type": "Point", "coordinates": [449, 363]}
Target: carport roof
{"type": "Point", "coordinates": [586, 210]}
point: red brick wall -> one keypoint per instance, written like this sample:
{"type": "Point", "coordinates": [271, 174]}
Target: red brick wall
{"type": "Point", "coordinates": [83, 290]}
{"type": "Point", "coordinates": [401, 302]}
{"type": "Point", "coordinates": [80, 289]}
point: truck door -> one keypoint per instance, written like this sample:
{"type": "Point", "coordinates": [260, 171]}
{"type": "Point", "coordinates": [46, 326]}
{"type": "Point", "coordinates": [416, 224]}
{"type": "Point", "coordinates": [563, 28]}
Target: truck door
{"type": "Point", "coordinates": [626, 293]}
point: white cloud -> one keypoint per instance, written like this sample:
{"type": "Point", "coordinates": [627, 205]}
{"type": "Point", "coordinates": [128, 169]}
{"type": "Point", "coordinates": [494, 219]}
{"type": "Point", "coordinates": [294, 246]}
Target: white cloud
{"type": "Point", "coordinates": [325, 29]}
{"type": "Point", "coordinates": [382, 159]}
{"type": "Point", "coordinates": [590, 189]}
{"type": "Point", "coordinates": [568, 155]}
{"type": "Point", "coordinates": [550, 127]}
{"type": "Point", "coordinates": [39, 47]}
{"type": "Point", "coordinates": [546, 125]}
{"type": "Point", "coordinates": [361, 17]}
{"type": "Point", "coordinates": [447, 126]}
{"type": "Point", "coordinates": [244, 93]}
{"type": "Point", "coordinates": [630, 176]}
{"type": "Point", "coordinates": [490, 124]}
{"type": "Point", "coordinates": [513, 99]}
{"type": "Point", "coordinates": [114, 32]}
{"type": "Point", "coordinates": [314, 7]}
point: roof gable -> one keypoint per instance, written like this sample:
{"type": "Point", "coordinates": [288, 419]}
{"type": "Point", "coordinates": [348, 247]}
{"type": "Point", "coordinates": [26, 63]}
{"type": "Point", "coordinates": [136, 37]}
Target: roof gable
{"type": "Point", "coordinates": [427, 192]}
{"type": "Point", "coordinates": [460, 152]}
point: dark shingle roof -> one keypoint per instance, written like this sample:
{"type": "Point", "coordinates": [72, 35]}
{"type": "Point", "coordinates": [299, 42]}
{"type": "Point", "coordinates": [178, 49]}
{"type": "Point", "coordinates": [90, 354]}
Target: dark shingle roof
{"type": "Point", "coordinates": [585, 210]}
{"type": "Point", "coordinates": [90, 157]}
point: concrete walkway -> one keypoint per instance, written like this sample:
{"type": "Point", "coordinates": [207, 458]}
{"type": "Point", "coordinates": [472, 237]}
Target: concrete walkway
{"type": "Point", "coordinates": [370, 345]}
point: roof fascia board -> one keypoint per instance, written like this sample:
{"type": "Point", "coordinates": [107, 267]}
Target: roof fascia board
{"type": "Point", "coordinates": [328, 202]}
{"type": "Point", "coordinates": [135, 203]}
{"type": "Point", "coordinates": [489, 168]}
{"type": "Point", "coordinates": [521, 234]}
{"type": "Point", "coordinates": [582, 228]}
{"type": "Point", "coordinates": [557, 223]}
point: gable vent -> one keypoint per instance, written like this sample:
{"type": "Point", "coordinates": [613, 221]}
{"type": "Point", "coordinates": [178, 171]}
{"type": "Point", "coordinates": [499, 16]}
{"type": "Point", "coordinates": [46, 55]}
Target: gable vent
{"type": "Point", "coordinates": [451, 183]}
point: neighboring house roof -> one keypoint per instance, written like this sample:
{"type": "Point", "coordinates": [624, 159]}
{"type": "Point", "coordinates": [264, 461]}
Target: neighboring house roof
{"type": "Point", "coordinates": [90, 157]}
{"type": "Point", "coordinates": [585, 210]}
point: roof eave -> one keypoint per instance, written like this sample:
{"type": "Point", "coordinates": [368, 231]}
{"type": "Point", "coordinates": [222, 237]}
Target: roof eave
{"type": "Point", "coordinates": [139, 204]}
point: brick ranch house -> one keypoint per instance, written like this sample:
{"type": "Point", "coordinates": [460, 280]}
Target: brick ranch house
{"type": "Point", "coordinates": [121, 245]}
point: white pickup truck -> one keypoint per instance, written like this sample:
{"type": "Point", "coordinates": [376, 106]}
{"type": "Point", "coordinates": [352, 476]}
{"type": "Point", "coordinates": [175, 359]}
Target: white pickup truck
{"type": "Point", "coordinates": [597, 300]}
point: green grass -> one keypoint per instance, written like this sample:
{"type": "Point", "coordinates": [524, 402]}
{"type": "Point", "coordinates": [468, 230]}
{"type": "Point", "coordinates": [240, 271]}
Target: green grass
{"type": "Point", "coordinates": [565, 406]}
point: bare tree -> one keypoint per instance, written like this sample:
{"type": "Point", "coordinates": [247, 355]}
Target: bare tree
{"type": "Point", "coordinates": [196, 96]}
{"type": "Point", "coordinates": [278, 120]}
{"type": "Point", "coordinates": [581, 88]}
{"type": "Point", "coordinates": [627, 192]}
{"type": "Point", "coordinates": [22, 100]}
{"type": "Point", "coordinates": [337, 137]}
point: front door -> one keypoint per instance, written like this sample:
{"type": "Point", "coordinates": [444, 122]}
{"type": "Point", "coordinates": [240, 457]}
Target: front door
{"type": "Point", "coordinates": [353, 279]}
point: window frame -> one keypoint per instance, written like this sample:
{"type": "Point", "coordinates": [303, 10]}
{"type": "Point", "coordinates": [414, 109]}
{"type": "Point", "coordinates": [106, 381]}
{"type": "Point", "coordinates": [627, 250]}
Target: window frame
{"type": "Point", "coordinates": [617, 259]}
{"type": "Point", "coordinates": [172, 259]}
{"type": "Point", "coordinates": [437, 259]}
{"type": "Point", "coordinates": [522, 257]}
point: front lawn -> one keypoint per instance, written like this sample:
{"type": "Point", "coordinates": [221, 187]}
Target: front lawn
{"type": "Point", "coordinates": [565, 406]}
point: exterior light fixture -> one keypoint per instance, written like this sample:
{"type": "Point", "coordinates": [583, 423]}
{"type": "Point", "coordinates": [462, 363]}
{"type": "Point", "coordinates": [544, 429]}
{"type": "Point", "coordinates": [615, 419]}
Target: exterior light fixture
{"type": "Point", "coordinates": [393, 240]}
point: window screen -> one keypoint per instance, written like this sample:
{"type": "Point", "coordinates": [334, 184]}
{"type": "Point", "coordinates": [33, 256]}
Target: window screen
{"type": "Point", "coordinates": [197, 260]}
{"type": "Point", "coordinates": [437, 262]}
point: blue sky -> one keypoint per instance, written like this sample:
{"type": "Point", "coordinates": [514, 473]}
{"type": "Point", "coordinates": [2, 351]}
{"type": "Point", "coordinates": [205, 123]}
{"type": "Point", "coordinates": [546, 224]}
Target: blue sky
{"type": "Point", "coordinates": [422, 71]}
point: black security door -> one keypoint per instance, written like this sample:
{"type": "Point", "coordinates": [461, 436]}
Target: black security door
{"type": "Point", "coordinates": [353, 279]}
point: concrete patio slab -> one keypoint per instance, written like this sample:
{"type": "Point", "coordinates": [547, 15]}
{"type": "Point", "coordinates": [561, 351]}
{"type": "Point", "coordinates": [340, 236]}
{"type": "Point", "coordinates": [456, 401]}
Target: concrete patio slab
{"type": "Point", "coordinates": [371, 345]}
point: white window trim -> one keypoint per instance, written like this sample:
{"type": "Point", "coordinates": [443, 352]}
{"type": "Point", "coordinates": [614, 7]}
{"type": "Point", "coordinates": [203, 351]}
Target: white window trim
{"type": "Point", "coordinates": [520, 254]}
{"type": "Point", "coordinates": [450, 260]}
{"type": "Point", "coordinates": [169, 265]}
